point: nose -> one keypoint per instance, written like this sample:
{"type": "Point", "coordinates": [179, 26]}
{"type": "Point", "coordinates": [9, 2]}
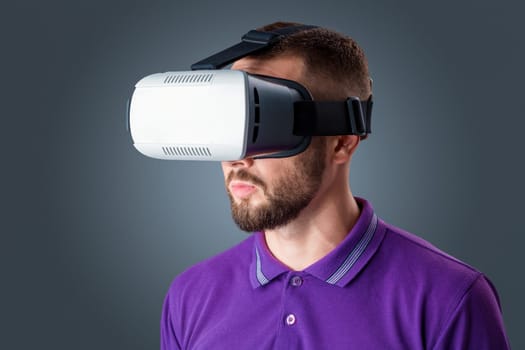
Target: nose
{"type": "Point", "coordinates": [241, 163]}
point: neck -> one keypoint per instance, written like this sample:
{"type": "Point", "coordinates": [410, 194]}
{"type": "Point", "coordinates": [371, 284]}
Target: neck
{"type": "Point", "coordinates": [320, 227]}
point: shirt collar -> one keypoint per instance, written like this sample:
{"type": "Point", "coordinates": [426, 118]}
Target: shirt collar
{"type": "Point", "coordinates": [339, 266]}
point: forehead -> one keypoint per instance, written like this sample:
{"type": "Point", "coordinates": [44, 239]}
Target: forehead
{"type": "Point", "coordinates": [285, 67]}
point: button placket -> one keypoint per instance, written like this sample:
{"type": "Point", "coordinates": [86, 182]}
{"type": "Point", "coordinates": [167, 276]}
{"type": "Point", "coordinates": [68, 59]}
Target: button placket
{"type": "Point", "coordinates": [294, 282]}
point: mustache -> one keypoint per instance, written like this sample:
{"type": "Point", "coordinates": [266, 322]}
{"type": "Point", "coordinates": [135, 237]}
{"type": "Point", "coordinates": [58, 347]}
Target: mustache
{"type": "Point", "coordinates": [243, 175]}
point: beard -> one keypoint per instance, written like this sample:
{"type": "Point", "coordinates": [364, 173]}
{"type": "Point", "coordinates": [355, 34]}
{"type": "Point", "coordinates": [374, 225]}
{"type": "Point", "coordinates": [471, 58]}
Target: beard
{"type": "Point", "coordinates": [286, 197]}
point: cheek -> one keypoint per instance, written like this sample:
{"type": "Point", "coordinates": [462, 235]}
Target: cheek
{"type": "Point", "coordinates": [275, 168]}
{"type": "Point", "coordinates": [283, 175]}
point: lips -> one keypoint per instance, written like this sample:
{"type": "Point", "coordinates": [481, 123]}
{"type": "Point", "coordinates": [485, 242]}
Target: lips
{"type": "Point", "coordinates": [241, 189]}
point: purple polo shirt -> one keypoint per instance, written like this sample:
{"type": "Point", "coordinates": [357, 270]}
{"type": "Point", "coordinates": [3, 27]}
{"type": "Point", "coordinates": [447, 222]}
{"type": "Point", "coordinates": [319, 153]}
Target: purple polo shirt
{"type": "Point", "coordinates": [380, 288]}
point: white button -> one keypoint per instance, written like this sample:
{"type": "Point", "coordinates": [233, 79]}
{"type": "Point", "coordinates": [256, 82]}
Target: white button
{"type": "Point", "coordinates": [290, 319]}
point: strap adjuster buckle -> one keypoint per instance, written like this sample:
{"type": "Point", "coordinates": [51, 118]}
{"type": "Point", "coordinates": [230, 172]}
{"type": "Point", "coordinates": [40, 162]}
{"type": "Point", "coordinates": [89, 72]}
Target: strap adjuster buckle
{"type": "Point", "coordinates": [356, 116]}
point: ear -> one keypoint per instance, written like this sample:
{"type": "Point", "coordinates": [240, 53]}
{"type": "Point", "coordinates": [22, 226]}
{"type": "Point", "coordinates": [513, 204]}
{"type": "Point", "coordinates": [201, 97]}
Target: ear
{"type": "Point", "coordinates": [343, 147]}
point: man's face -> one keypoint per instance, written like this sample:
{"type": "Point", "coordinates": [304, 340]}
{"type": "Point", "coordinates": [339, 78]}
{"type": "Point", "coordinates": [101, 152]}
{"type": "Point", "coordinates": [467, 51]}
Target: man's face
{"type": "Point", "coordinates": [269, 193]}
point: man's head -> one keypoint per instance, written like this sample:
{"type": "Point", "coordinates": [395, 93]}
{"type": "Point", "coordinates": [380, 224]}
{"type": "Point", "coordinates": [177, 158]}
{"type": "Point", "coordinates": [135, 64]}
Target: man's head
{"type": "Point", "coordinates": [269, 193]}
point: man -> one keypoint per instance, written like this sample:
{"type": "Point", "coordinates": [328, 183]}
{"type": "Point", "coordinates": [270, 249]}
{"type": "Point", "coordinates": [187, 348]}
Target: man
{"type": "Point", "coordinates": [322, 271]}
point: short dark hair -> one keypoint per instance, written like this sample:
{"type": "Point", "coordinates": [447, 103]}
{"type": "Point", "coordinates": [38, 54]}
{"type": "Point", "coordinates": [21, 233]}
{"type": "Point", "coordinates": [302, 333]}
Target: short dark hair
{"type": "Point", "coordinates": [327, 55]}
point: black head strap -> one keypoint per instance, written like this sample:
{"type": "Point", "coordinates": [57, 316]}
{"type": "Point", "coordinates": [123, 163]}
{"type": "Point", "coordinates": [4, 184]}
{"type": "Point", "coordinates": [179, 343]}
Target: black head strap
{"type": "Point", "coordinates": [251, 42]}
{"type": "Point", "coordinates": [320, 118]}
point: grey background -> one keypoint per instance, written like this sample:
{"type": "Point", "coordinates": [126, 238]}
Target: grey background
{"type": "Point", "coordinates": [92, 232]}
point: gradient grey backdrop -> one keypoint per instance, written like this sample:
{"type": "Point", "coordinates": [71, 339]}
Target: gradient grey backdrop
{"type": "Point", "coordinates": [93, 232]}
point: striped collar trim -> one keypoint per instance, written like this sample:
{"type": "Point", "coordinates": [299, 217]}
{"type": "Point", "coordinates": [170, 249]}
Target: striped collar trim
{"type": "Point", "coordinates": [261, 278]}
{"type": "Point", "coordinates": [355, 254]}
{"type": "Point", "coordinates": [264, 267]}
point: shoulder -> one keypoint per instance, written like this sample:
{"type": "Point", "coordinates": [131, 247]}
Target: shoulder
{"type": "Point", "coordinates": [226, 266]}
{"type": "Point", "coordinates": [454, 296]}
{"type": "Point", "coordinates": [425, 271]}
{"type": "Point", "coordinates": [196, 294]}
{"type": "Point", "coordinates": [414, 255]}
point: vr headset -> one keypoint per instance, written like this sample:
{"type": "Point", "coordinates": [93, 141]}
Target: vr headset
{"type": "Point", "coordinates": [213, 114]}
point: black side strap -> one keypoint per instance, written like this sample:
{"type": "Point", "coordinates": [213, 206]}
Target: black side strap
{"type": "Point", "coordinates": [252, 42]}
{"type": "Point", "coordinates": [320, 118]}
